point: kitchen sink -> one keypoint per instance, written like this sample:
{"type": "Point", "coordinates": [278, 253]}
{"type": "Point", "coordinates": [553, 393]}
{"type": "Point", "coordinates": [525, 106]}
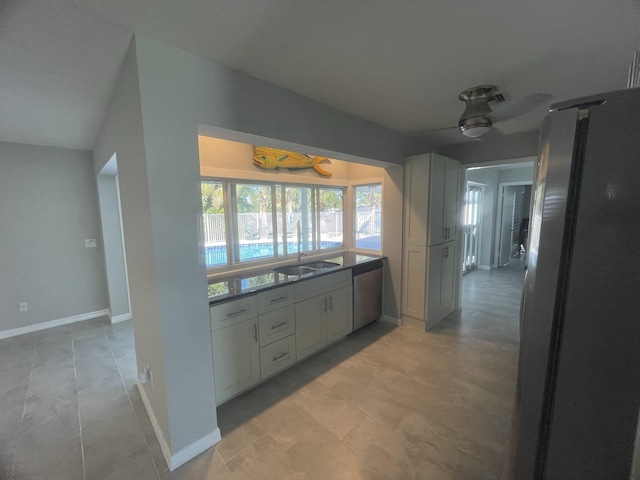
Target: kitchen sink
{"type": "Point", "coordinates": [320, 265]}
{"type": "Point", "coordinates": [305, 268]}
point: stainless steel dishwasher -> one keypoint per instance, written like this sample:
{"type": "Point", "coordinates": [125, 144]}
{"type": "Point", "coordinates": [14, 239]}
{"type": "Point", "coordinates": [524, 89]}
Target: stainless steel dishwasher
{"type": "Point", "coordinates": [367, 293]}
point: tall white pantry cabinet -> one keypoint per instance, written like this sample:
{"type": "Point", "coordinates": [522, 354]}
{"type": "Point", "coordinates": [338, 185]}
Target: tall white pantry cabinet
{"type": "Point", "coordinates": [430, 242]}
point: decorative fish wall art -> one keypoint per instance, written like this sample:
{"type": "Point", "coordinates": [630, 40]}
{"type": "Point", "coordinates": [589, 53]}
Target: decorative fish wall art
{"type": "Point", "coordinates": [271, 158]}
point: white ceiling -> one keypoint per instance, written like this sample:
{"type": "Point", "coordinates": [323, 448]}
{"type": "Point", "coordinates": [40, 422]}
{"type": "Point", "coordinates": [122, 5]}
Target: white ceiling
{"type": "Point", "coordinates": [399, 63]}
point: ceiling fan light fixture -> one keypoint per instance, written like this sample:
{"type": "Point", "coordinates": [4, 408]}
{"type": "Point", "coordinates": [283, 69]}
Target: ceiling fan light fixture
{"type": "Point", "coordinates": [475, 120]}
{"type": "Point", "coordinates": [475, 127]}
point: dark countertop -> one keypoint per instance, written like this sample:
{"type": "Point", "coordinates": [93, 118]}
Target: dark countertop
{"type": "Point", "coordinates": [232, 285]}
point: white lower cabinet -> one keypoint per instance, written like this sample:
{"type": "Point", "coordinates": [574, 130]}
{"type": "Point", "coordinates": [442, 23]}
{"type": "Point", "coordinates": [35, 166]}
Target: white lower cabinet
{"type": "Point", "coordinates": [236, 358]}
{"type": "Point", "coordinates": [339, 313]}
{"type": "Point", "coordinates": [277, 356]}
{"type": "Point", "coordinates": [311, 328]}
{"type": "Point", "coordinates": [441, 282]}
{"type": "Point", "coordinates": [279, 332]}
{"type": "Point", "coordinates": [322, 320]}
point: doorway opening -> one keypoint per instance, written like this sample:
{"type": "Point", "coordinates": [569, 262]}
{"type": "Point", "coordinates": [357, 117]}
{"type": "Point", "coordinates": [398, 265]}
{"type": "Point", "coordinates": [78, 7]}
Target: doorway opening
{"type": "Point", "coordinates": [471, 224]}
{"type": "Point", "coordinates": [494, 217]}
{"type": "Point", "coordinates": [514, 206]}
{"type": "Point", "coordinates": [113, 242]}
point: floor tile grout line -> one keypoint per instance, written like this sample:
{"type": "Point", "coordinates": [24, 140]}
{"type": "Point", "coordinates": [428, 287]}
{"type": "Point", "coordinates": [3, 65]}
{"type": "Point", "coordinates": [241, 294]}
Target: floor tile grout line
{"type": "Point", "coordinates": [75, 378]}
{"type": "Point", "coordinates": [24, 407]}
{"type": "Point", "coordinates": [155, 467]}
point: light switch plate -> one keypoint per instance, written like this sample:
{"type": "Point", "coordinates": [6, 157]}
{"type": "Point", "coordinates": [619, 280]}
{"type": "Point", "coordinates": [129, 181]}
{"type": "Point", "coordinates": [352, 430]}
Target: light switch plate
{"type": "Point", "coordinates": [90, 242]}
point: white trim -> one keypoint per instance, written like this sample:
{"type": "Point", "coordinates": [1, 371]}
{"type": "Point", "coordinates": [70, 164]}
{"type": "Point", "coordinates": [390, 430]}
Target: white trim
{"type": "Point", "coordinates": [53, 323]}
{"type": "Point", "coordinates": [121, 318]}
{"type": "Point", "coordinates": [392, 320]}
{"type": "Point", "coordinates": [516, 162]}
{"type": "Point", "coordinates": [164, 445]}
{"type": "Point", "coordinates": [196, 448]}
{"type": "Point", "coordinates": [187, 453]}
{"type": "Point", "coordinates": [483, 267]}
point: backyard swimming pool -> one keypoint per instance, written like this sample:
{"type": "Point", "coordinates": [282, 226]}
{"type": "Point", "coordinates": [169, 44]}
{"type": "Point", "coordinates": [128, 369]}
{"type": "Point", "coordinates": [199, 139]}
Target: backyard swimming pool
{"type": "Point", "coordinates": [217, 254]}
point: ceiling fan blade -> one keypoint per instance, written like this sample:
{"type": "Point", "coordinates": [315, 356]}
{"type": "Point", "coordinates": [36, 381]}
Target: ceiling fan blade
{"type": "Point", "coordinates": [519, 107]}
{"type": "Point", "coordinates": [442, 136]}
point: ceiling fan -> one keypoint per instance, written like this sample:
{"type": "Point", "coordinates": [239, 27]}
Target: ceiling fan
{"type": "Point", "coordinates": [479, 118]}
{"type": "Point", "coordinates": [475, 120]}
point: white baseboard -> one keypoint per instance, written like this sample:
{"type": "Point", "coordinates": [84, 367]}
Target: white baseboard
{"type": "Point", "coordinates": [187, 453]}
{"type": "Point", "coordinates": [390, 319]}
{"type": "Point", "coordinates": [484, 267]}
{"type": "Point", "coordinates": [196, 448]}
{"type": "Point", "coordinates": [121, 318]}
{"type": "Point", "coordinates": [53, 323]}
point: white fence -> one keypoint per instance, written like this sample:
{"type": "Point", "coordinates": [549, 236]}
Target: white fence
{"type": "Point", "coordinates": [259, 226]}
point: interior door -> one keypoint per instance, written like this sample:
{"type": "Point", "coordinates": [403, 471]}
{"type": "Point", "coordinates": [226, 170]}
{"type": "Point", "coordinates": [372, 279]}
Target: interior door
{"type": "Point", "coordinates": [506, 224]}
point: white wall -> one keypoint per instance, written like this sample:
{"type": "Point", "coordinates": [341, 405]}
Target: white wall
{"type": "Point", "coordinates": [229, 159]}
{"type": "Point", "coordinates": [48, 207]}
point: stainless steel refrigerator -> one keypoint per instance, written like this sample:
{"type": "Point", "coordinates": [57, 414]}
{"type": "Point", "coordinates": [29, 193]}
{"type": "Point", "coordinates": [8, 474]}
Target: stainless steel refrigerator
{"type": "Point", "coordinates": [578, 393]}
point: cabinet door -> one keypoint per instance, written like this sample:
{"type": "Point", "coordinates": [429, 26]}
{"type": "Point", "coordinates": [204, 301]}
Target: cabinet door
{"type": "Point", "coordinates": [339, 313]}
{"type": "Point", "coordinates": [441, 282]}
{"type": "Point", "coordinates": [311, 328]}
{"type": "Point", "coordinates": [434, 282]}
{"type": "Point", "coordinates": [447, 278]}
{"type": "Point", "coordinates": [416, 199]}
{"type": "Point", "coordinates": [451, 187]}
{"type": "Point", "coordinates": [414, 263]}
{"type": "Point", "coordinates": [236, 358]}
{"type": "Point", "coordinates": [437, 178]}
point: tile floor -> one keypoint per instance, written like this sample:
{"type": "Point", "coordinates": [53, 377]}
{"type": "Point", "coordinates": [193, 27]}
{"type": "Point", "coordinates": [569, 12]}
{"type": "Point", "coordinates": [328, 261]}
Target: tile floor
{"type": "Point", "coordinates": [386, 403]}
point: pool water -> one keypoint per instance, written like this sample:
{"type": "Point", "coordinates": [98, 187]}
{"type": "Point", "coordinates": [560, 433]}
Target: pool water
{"type": "Point", "coordinates": [217, 255]}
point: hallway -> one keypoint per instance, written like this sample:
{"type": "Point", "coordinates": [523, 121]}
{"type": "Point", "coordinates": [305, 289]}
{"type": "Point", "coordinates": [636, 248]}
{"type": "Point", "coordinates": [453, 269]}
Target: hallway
{"type": "Point", "coordinates": [385, 403]}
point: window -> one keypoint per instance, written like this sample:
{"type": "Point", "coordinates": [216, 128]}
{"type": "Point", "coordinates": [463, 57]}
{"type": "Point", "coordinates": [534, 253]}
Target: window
{"type": "Point", "coordinates": [245, 222]}
{"type": "Point", "coordinates": [368, 217]}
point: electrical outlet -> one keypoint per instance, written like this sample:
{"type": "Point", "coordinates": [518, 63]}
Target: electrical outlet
{"type": "Point", "coordinates": [24, 306]}
{"type": "Point", "coordinates": [90, 242]}
{"type": "Point", "coordinates": [145, 376]}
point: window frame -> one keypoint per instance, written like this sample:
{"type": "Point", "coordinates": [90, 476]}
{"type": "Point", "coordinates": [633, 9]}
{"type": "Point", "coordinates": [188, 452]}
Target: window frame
{"type": "Point", "coordinates": [232, 237]}
{"type": "Point", "coordinates": [354, 213]}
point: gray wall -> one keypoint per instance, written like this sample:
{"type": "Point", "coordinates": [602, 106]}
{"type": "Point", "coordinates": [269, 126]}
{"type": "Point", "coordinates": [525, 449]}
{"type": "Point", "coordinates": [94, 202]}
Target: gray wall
{"type": "Point", "coordinates": [113, 247]}
{"type": "Point", "coordinates": [48, 207]}
{"type": "Point", "coordinates": [121, 133]}
{"type": "Point", "coordinates": [171, 95]}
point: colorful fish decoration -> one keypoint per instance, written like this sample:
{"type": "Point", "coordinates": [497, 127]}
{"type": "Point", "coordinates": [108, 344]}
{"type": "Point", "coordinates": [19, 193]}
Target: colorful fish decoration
{"type": "Point", "coordinates": [271, 158]}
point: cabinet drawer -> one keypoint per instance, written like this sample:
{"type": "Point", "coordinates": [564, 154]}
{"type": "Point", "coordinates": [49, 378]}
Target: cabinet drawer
{"type": "Point", "coordinates": [230, 313]}
{"type": "Point", "coordinates": [274, 299]}
{"type": "Point", "coordinates": [276, 325]}
{"type": "Point", "coordinates": [321, 285]}
{"type": "Point", "coordinates": [277, 356]}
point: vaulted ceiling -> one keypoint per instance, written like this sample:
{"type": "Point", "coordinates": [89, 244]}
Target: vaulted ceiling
{"type": "Point", "coordinates": [399, 63]}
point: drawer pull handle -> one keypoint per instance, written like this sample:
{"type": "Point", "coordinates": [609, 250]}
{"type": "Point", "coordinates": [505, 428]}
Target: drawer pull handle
{"type": "Point", "coordinates": [279, 299]}
{"type": "Point", "coordinates": [282, 355]}
{"type": "Point", "coordinates": [282, 324]}
{"type": "Point", "coordinates": [233, 314]}
{"type": "Point", "coordinates": [255, 332]}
